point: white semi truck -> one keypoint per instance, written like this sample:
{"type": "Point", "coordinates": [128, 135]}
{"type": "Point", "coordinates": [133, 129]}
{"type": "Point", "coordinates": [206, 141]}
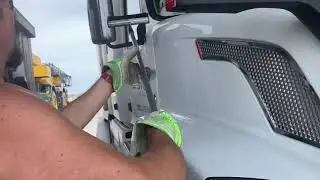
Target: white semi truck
{"type": "Point", "coordinates": [241, 76]}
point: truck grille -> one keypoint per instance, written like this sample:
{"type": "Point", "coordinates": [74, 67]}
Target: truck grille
{"type": "Point", "coordinates": [288, 100]}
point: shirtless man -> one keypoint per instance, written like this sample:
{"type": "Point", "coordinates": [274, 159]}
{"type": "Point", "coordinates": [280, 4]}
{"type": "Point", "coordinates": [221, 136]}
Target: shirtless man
{"type": "Point", "coordinates": [39, 143]}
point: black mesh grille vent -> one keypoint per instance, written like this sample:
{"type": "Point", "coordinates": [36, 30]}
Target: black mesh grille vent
{"type": "Point", "coordinates": [290, 103]}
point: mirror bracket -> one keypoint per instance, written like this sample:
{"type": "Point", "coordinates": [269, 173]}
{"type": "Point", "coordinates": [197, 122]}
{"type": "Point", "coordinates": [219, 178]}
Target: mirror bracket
{"type": "Point", "coordinates": [127, 21]}
{"type": "Point", "coordinates": [141, 31]}
{"type": "Point", "coordinates": [118, 46]}
{"type": "Point", "coordinates": [119, 21]}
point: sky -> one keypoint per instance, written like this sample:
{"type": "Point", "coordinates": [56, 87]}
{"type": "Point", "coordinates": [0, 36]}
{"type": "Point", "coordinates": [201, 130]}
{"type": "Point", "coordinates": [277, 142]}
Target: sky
{"type": "Point", "coordinates": [63, 37]}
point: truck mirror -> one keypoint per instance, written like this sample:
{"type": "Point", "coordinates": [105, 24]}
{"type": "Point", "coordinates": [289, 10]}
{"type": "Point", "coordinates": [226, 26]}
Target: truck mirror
{"type": "Point", "coordinates": [98, 12]}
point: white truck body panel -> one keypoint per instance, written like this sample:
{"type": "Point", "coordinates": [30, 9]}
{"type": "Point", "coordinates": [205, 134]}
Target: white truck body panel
{"type": "Point", "coordinates": [225, 131]}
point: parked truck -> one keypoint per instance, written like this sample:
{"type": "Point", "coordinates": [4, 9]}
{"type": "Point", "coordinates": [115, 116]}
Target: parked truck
{"type": "Point", "coordinates": [51, 83]}
{"type": "Point", "coordinates": [242, 80]}
{"type": "Point", "coordinates": [45, 80]}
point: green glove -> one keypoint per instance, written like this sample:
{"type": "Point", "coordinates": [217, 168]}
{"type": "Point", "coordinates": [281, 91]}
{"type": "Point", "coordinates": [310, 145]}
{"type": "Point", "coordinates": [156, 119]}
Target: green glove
{"type": "Point", "coordinates": [117, 71]}
{"type": "Point", "coordinates": [166, 123]}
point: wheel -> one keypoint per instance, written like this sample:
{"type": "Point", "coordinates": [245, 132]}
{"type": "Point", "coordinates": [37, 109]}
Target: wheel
{"type": "Point", "coordinates": [60, 100]}
{"type": "Point", "coordinates": [53, 100]}
{"type": "Point", "coordinates": [65, 99]}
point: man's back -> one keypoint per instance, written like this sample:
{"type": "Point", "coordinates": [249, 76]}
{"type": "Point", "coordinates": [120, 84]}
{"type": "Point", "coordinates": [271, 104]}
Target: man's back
{"type": "Point", "coordinates": [38, 143]}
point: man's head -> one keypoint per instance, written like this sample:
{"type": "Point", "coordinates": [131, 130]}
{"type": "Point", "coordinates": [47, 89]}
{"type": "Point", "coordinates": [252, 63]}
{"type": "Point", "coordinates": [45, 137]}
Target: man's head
{"type": "Point", "coordinates": [7, 32]}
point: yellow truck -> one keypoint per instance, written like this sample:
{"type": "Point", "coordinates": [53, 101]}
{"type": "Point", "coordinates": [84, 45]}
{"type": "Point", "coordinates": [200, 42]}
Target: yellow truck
{"type": "Point", "coordinates": [51, 83]}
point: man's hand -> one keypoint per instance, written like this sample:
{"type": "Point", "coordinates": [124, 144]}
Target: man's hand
{"type": "Point", "coordinates": [164, 122]}
{"type": "Point", "coordinates": [117, 71]}
{"type": "Point", "coordinates": [163, 158]}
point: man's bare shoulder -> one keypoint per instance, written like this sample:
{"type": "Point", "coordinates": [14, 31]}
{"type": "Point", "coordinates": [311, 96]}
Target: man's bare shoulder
{"type": "Point", "coordinates": [12, 95]}
{"type": "Point", "coordinates": [19, 106]}
{"type": "Point", "coordinates": [17, 103]}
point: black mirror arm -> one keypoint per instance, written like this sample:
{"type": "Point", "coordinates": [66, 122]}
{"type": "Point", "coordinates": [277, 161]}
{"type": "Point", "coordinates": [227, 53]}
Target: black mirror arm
{"type": "Point", "coordinates": [141, 30]}
{"type": "Point", "coordinates": [118, 46]}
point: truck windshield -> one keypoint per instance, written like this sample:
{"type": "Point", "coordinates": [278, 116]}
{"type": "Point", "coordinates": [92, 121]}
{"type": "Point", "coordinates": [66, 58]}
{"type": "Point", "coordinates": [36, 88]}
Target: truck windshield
{"type": "Point", "coordinates": [45, 89]}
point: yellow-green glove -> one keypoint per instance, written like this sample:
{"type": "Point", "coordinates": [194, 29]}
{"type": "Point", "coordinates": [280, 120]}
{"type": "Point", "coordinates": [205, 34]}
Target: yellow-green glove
{"type": "Point", "coordinates": [166, 123]}
{"type": "Point", "coordinates": [117, 71]}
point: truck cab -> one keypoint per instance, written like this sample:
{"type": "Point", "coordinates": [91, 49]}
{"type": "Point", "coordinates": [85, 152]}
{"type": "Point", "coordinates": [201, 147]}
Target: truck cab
{"type": "Point", "coordinates": [241, 77]}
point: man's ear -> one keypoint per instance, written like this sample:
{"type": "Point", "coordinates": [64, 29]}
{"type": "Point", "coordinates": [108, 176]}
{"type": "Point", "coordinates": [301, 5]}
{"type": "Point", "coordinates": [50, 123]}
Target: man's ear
{"type": "Point", "coordinates": [15, 59]}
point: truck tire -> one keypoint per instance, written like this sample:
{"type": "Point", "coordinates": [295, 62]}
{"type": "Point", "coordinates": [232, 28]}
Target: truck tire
{"type": "Point", "coordinates": [54, 100]}
{"type": "Point", "coordinates": [65, 99]}
{"type": "Point", "coordinates": [60, 101]}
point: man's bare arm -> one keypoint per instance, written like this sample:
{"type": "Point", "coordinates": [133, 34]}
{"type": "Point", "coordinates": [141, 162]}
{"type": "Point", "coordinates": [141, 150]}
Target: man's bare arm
{"type": "Point", "coordinates": [39, 143]}
{"type": "Point", "coordinates": [164, 159]}
{"type": "Point", "coordinates": [84, 108]}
